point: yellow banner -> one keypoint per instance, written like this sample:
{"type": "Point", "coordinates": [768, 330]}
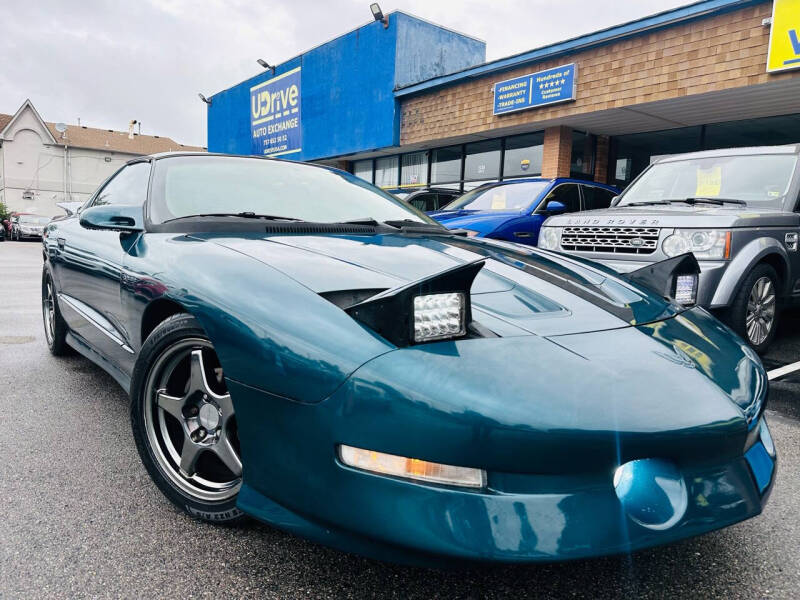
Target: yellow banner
{"type": "Point", "coordinates": [784, 36]}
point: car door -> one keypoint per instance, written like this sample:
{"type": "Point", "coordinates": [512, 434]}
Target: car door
{"type": "Point", "coordinates": [595, 197]}
{"type": "Point", "coordinates": [90, 268]}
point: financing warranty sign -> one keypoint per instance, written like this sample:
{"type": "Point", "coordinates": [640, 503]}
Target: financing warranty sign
{"type": "Point", "coordinates": [784, 37]}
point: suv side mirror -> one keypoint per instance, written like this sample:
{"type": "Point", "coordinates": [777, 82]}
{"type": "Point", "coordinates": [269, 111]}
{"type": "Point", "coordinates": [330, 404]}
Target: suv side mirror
{"type": "Point", "coordinates": [554, 207]}
{"type": "Point", "coordinates": [615, 200]}
{"type": "Point", "coordinates": [114, 217]}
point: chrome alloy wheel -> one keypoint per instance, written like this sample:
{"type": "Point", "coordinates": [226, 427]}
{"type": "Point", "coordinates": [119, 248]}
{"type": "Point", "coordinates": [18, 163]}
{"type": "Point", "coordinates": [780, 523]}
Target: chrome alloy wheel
{"type": "Point", "coordinates": [49, 312]}
{"type": "Point", "coordinates": [190, 422]}
{"type": "Point", "coordinates": [760, 315]}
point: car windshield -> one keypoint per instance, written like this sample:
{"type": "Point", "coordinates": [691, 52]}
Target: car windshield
{"type": "Point", "coordinates": [33, 220]}
{"type": "Point", "coordinates": [184, 186]}
{"type": "Point", "coordinates": [758, 180]}
{"type": "Point", "coordinates": [508, 197]}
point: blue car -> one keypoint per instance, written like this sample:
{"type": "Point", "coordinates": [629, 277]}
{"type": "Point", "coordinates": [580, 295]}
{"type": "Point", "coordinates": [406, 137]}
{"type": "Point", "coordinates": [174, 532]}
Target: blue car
{"type": "Point", "coordinates": [303, 348]}
{"type": "Point", "coordinates": [515, 210]}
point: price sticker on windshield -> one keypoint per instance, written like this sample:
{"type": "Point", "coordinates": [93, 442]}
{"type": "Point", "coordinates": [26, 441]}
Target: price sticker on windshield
{"type": "Point", "coordinates": [709, 182]}
{"type": "Point", "coordinates": [498, 201]}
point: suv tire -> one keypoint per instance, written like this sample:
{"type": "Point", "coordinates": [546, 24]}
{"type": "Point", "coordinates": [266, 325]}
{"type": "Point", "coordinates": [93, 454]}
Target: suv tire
{"type": "Point", "coordinates": [754, 312]}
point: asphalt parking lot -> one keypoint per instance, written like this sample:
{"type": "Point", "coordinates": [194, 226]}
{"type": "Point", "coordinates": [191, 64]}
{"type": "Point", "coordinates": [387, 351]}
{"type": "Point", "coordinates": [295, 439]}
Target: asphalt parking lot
{"type": "Point", "coordinates": [81, 518]}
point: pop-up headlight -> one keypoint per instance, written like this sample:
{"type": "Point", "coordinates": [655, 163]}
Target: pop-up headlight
{"type": "Point", "coordinates": [686, 289]}
{"type": "Point", "coordinates": [438, 316]}
{"type": "Point", "coordinates": [434, 308]}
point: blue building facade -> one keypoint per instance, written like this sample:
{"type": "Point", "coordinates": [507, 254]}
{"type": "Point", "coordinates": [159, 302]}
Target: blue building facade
{"type": "Point", "coordinates": [338, 98]}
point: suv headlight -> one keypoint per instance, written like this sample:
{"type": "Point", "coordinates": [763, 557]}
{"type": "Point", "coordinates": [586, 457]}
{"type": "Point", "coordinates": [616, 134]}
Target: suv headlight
{"type": "Point", "coordinates": [549, 237]}
{"type": "Point", "coordinates": [705, 244]}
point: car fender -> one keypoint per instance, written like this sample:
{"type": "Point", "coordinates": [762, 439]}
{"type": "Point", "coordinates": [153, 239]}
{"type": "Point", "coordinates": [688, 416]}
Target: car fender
{"type": "Point", "coordinates": [744, 261]}
{"type": "Point", "coordinates": [303, 354]}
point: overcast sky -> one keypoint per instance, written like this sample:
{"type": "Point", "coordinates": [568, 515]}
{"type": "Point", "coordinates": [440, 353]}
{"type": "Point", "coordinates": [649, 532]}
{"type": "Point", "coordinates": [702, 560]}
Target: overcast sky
{"type": "Point", "coordinates": [111, 61]}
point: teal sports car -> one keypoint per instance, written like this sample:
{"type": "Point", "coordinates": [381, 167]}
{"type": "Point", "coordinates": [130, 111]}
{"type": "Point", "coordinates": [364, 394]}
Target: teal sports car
{"type": "Point", "coordinates": [303, 348]}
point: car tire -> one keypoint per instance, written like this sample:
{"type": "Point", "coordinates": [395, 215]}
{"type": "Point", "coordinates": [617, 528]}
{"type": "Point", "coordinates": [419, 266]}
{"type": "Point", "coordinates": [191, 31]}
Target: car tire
{"type": "Point", "coordinates": [754, 312]}
{"type": "Point", "coordinates": [55, 328]}
{"type": "Point", "coordinates": [183, 421]}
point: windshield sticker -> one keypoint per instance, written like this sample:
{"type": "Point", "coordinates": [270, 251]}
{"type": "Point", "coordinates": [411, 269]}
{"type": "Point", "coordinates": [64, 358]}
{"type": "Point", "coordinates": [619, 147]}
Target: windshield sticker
{"type": "Point", "coordinates": [498, 201]}
{"type": "Point", "coordinates": [709, 182]}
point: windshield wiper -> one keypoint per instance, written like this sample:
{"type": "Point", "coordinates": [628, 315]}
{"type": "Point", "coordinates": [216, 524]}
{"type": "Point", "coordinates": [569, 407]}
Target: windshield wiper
{"type": "Point", "coordinates": [241, 215]}
{"type": "Point", "coordinates": [650, 203]}
{"type": "Point", "coordinates": [717, 201]}
{"type": "Point", "coordinates": [412, 224]}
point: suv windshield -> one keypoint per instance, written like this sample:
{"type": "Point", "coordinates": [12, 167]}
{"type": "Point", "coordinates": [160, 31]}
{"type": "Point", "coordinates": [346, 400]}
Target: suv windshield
{"type": "Point", "coordinates": [760, 180]}
{"type": "Point", "coordinates": [184, 186]}
{"type": "Point", "coordinates": [502, 196]}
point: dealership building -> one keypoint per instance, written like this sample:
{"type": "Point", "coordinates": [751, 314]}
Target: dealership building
{"type": "Point", "coordinates": [405, 103]}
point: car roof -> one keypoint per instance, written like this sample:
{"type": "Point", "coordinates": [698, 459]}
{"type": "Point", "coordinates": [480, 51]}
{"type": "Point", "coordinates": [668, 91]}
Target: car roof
{"type": "Point", "coordinates": [746, 151]}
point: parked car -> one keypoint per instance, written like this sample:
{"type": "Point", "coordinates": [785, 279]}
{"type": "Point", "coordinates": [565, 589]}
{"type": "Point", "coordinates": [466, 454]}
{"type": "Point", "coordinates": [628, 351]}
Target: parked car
{"type": "Point", "coordinates": [427, 199]}
{"type": "Point", "coordinates": [29, 226]}
{"type": "Point", "coordinates": [309, 350]}
{"type": "Point", "coordinates": [514, 210]}
{"type": "Point", "coordinates": [735, 209]}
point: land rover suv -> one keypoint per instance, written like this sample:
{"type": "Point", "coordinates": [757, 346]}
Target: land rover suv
{"type": "Point", "coordinates": [735, 209]}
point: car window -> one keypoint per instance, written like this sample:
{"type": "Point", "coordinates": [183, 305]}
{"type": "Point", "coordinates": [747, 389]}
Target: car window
{"type": "Point", "coordinates": [511, 196]}
{"type": "Point", "coordinates": [596, 197]}
{"type": "Point", "coordinates": [424, 202]}
{"type": "Point", "coordinates": [184, 186]}
{"type": "Point", "coordinates": [567, 194]}
{"type": "Point", "coordinates": [128, 187]}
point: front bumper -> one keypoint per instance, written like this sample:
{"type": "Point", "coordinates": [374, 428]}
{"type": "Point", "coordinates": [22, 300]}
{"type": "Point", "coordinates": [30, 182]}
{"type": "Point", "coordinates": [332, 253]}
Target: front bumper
{"type": "Point", "coordinates": [711, 273]}
{"type": "Point", "coordinates": [293, 480]}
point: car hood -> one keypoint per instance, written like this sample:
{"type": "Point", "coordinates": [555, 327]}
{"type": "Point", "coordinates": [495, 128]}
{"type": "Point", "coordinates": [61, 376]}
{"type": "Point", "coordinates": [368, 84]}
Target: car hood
{"type": "Point", "coordinates": [484, 221]}
{"type": "Point", "coordinates": [519, 291]}
{"type": "Point", "coordinates": [678, 215]}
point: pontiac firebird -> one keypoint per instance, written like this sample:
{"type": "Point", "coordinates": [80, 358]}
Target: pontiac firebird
{"type": "Point", "coordinates": [303, 348]}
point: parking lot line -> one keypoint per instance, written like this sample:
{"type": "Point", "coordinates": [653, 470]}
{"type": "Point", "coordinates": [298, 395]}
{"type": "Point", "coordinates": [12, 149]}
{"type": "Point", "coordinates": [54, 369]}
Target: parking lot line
{"type": "Point", "coordinates": [785, 370]}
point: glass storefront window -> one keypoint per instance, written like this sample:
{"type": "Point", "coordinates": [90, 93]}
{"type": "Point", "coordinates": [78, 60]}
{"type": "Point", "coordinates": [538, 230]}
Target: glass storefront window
{"type": "Point", "coordinates": [414, 169]}
{"type": "Point", "coordinates": [363, 169]}
{"type": "Point", "coordinates": [582, 163]}
{"type": "Point", "coordinates": [446, 165]}
{"type": "Point", "coordinates": [633, 153]}
{"type": "Point", "coordinates": [523, 155]}
{"type": "Point", "coordinates": [386, 171]}
{"type": "Point", "coordinates": [482, 161]}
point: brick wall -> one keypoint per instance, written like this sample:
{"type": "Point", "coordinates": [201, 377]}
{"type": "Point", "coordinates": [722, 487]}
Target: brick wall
{"type": "Point", "coordinates": [557, 152]}
{"type": "Point", "coordinates": [712, 53]}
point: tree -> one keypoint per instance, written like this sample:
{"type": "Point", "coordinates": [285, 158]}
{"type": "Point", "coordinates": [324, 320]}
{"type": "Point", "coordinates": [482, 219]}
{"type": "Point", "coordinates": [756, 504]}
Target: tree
{"type": "Point", "coordinates": [3, 211]}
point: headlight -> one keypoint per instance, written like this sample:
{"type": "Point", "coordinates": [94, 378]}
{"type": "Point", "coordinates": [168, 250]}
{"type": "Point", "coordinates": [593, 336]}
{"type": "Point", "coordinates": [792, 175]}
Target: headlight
{"type": "Point", "coordinates": [708, 244]}
{"type": "Point", "coordinates": [438, 316]}
{"type": "Point", "coordinates": [548, 238]}
{"type": "Point", "coordinates": [411, 468]}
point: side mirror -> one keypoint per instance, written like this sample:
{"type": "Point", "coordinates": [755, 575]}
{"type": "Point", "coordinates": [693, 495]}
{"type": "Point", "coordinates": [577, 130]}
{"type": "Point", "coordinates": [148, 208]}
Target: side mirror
{"type": "Point", "coordinates": [615, 200]}
{"type": "Point", "coordinates": [114, 217]}
{"type": "Point", "coordinates": [554, 207]}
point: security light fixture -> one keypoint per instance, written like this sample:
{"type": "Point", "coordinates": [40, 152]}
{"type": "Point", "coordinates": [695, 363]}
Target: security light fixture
{"type": "Point", "coordinates": [378, 15]}
{"type": "Point", "coordinates": [203, 98]}
{"type": "Point", "coordinates": [266, 65]}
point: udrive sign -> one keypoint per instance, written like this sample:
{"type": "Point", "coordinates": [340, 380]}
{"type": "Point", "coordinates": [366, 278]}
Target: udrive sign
{"type": "Point", "coordinates": [784, 37]}
{"type": "Point", "coordinates": [275, 125]}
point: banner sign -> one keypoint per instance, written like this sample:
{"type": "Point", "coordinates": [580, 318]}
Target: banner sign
{"type": "Point", "coordinates": [784, 36]}
{"type": "Point", "coordinates": [537, 89]}
{"type": "Point", "coordinates": [275, 124]}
